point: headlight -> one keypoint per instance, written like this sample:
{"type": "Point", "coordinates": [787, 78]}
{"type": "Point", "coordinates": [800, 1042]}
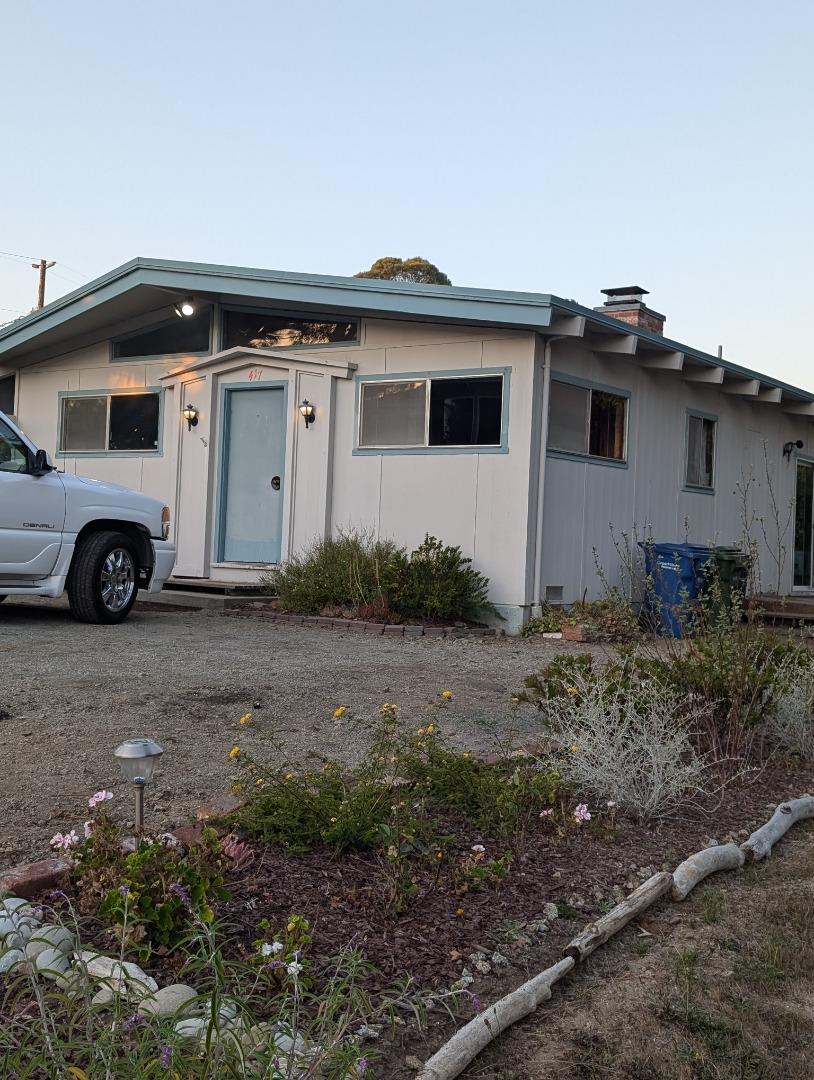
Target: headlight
{"type": "Point", "coordinates": [165, 522]}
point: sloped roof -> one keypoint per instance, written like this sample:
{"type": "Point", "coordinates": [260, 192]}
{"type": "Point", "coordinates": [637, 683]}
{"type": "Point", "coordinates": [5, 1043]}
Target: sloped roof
{"type": "Point", "coordinates": [144, 283]}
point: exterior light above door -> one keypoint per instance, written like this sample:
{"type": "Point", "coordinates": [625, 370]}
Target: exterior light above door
{"type": "Point", "coordinates": [185, 308]}
{"type": "Point", "coordinates": [190, 414]}
{"type": "Point", "coordinates": [308, 412]}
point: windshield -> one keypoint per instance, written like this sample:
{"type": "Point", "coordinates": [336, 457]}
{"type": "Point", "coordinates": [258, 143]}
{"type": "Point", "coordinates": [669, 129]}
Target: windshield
{"type": "Point", "coordinates": [13, 451]}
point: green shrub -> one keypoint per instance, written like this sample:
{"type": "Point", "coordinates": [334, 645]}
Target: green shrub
{"type": "Point", "coordinates": [436, 582]}
{"type": "Point", "coordinates": [345, 570]}
{"type": "Point", "coordinates": [155, 891]}
{"type": "Point", "coordinates": [611, 619]}
{"type": "Point", "coordinates": [549, 621]}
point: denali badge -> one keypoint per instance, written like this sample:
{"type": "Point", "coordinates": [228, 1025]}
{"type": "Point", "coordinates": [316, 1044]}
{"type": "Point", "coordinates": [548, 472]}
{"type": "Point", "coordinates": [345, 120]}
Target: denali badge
{"type": "Point", "coordinates": [37, 525]}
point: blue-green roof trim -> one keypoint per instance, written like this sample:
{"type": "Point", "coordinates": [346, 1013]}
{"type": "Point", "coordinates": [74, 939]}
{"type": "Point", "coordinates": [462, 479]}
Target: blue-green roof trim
{"type": "Point", "coordinates": [365, 296]}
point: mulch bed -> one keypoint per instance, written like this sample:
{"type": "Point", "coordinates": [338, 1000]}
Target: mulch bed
{"type": "Point", "coordinates": [342, 898]}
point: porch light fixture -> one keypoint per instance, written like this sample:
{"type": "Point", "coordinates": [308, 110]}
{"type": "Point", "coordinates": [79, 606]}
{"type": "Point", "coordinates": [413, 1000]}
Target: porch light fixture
{"type": "Point", "coordinates": [138, 759]}
{"type": "Point", "coordinates": [185, 308]}
{"type": "Point", "coordinates": [308, 412]}
{"type": "Point", "coordinates": [190, 414]}
{"type": "Point", "coordinates": [789, 446]}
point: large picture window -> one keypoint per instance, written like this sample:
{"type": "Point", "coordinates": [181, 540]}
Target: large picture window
{"type": "Point", "coordinates": [266, 330]}
{"type": "Point", "coordinates": [700, 451]}
{"type": "Point", "coordinates": [110, 423]}
{"type": "Point", "coordinates": [588, 421]}
{"type": "Point", "coordinates": [449, 411]}
{"type": "Point", "coordinates": [178, 337]}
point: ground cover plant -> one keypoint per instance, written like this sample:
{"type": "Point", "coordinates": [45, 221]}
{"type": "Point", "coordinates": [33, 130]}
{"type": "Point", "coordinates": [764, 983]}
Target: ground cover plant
{"type": "Point", "coordinates": [357, 575]}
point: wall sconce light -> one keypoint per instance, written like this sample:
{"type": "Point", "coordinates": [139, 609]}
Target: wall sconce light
{"type": "Point", "coordinates": [789, 446]}
{"type": "Point", "coordinates": [138, 759]}
{"type": "Point", "coordinates": [190, 414]}
{"type": "Point", "coordinates": [185, 308]}
{"type": "Point", "coordinates": [308, 412]}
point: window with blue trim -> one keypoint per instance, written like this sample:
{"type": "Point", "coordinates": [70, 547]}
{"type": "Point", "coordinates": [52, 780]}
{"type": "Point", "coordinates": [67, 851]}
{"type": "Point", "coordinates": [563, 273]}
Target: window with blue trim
{"type": "Point", "coordinates": [700, 451]}
{"type": "Point", "coordinates": [587, 421]}
{"type": "Point", "coordinates": [449, 411]}
{"type": "Point", "coordinates": [175, 337]}
{"type": "Point", "coordinates": [110, 422]}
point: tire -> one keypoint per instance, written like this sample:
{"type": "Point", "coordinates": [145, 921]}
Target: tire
{"type": "Point", "coordinates": [102, 584]}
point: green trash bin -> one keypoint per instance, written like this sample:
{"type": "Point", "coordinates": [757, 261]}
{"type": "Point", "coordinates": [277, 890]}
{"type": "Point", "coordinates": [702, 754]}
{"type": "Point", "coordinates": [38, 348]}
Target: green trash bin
{"type": "Point", "coordinates": [732, 566]}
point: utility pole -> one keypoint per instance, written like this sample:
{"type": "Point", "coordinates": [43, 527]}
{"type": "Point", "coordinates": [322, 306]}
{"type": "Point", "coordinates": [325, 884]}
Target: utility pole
{"type": "Point", "coordinates": [42, 266]}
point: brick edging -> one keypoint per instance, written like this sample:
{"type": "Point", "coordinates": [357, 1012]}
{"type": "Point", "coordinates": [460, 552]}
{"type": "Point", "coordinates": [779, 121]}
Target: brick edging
{"type": "Point", "coordinates": [358, 626]}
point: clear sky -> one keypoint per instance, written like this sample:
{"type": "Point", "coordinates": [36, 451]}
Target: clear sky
{"type": "Point", "coordinates": [552, 147]}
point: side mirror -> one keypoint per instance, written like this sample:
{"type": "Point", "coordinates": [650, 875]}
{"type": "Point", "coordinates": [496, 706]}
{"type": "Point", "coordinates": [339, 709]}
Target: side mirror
{"type": "Point", "coordinates": [41, 464]}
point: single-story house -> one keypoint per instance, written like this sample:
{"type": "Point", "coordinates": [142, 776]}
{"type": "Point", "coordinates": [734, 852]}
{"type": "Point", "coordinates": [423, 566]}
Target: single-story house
{"type": "Point", "coordinates": [269, 408]}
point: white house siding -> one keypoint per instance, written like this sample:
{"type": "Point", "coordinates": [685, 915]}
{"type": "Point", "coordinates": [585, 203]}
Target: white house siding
{"type": "Point", "coordinates": [479, 501]}
{"type": "Point", "coordinates": [583, 499]}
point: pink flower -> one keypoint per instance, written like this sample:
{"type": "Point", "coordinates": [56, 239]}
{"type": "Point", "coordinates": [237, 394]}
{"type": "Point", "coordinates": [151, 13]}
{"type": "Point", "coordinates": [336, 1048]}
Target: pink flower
{"type": "Point", "coordinates": [99, 797]}
{"type": "Point", "coordinates": [547, 813]}
{"type": "Point", "coordinates": [478, 848]}
{"type": "Point", "coordinates": [64, 841]}
{"type": "Point", "coordinates": [610, 804]}
{"type": "Point", "coordinates": [88, 827]}
{"type": "Point", "coordinates": [581, 813]}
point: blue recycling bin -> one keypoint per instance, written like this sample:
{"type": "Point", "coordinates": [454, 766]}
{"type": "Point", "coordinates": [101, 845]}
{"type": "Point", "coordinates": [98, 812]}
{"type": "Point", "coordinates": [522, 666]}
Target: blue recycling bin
{"type": "Point", "coordinates": [679, 573]}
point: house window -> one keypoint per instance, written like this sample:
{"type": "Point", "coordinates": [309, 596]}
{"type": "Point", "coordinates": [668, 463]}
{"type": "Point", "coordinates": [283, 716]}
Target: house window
{"type": "Point", "coordinates": [265, 330]}
{"type": "Point", "coordinates": [587, 420]}
{"type": "Point", "coordinates": [700, 451]}
{"type": "Point", "coordinates": [7, 388]}
{"type": "Point", "coordinates": [449, 411]}
{"type": "Point", "coordinates": [176, 337]}
{"type": "Point", "coordinates": [110, 422]}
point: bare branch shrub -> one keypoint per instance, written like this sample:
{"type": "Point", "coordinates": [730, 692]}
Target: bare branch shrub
{"type": "Point", "coordinates": [628, 744]}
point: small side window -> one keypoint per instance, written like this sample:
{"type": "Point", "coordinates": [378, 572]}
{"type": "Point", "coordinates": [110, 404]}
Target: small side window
{"type": "Point", "coordinates": [586, 420]}
{"type": "Point", "coordinates": [700, 452]}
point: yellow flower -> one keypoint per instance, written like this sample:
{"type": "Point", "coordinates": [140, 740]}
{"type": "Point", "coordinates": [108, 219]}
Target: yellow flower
{"type": "Point", "coordinates": [439, 854]}
{"type": "Point", "coordinates": [339, 712]}
{"type": "Point", "coordinates": [571, 690]}
{"type": "Point", "coordinates": [430, 729]}
{"type": "Point", "coordinates": [289, 776]}
{"type": "Point", "coordinates": [420, 731]}
{"type": "Point", "coordinates": [237, 788]}
{"type": "Point", "coordinates": [574, 749]}
{"type": "Point", "coordinates": [234, 752]}
{"type": "Point", "coordinates": [446, 695]}
{"type": "Point", "coordinates": [467, 755]}
{"type": "Point", "coordinates": [245, 718]}
{"type": "Point", "coordinates": [333, 821]}
{"type": "Point", "coordinates": [459, 913]}
{"type": "Point", "coordinates": [259, 783]}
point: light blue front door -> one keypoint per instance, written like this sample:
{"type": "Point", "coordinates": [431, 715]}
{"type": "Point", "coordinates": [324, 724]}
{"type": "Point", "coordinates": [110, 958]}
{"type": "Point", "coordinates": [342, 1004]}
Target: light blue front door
{"type": "Point", "coordinates": [252, 476]}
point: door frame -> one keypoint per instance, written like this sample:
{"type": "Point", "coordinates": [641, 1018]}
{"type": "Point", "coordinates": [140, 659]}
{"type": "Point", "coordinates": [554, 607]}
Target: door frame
{"type": "Point", "coordinates": [224, 426]}
{"type": "Point", "coordinates": [802, 590]}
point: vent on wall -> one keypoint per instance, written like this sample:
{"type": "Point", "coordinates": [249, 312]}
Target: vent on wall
{"type": "Point", "coordinates": [553, 594]}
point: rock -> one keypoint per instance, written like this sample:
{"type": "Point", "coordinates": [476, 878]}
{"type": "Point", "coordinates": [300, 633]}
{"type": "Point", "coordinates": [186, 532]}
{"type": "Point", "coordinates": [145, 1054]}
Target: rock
{"type": "Point", "coordinates": [551, 912]}
{"type": "Point", "coordinates": [414, 1063]}
{"type": "Point", "coordinates": [13, 907]}
{"type": "Point", "coordinates": [499, 960]}
{"type": "Point", "coordinates": [227, 1010]}
{"type": "Point", "coordinates": [50, 937]}
{"type": "Point", "coordinates": [10, 935]}
{"type": "Point", "coordinates": [103, 997]}
{"type": "Point", "coordinates": [168, 1001]}
{"type": "Point", "coordinates": [192, 1028]}
{"type": "Point", "coordinates": [465, 980]}
{"type": "Point", "coordinates": [139, 980]}
{"type": "Point", "coordinates": [480, 963]}
{"type": "Point", "coordinates": [52, 962]}
{"type": "Point", "coordinates": [288, 1044]}
{"type": "Point", "coordinates": [138, 983]}
{"type": "Point", "coordinates": [257, 1037]}
{"type": "Point", "coordinates": [10, 961]}
{"type": "Point", "coordinates": [711, 842]}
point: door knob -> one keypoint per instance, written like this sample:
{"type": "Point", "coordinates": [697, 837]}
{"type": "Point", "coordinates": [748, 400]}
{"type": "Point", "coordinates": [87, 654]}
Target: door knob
{"type": "Point", "coordinates": [275, 482]}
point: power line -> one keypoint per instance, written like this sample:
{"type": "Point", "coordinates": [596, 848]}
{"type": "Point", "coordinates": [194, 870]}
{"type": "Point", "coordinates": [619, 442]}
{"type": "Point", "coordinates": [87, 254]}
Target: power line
{"type": "Point", "coordinates": [12, 255]}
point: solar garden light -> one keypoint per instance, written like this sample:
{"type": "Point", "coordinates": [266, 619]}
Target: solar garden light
{"type": "Point", "coordinates": [138, 759]}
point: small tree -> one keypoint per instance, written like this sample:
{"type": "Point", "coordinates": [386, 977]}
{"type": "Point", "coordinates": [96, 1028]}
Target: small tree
{"type": "Point", "coordinates": [416, 269]}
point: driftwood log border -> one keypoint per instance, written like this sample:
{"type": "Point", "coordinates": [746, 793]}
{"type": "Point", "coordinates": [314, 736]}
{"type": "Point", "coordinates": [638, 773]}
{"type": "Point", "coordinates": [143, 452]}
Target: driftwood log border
{"type": "Point", "coordinates": [464, 1046]}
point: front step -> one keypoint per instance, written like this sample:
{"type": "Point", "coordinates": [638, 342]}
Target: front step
{"type": "Point", "coordinates": [200, 600]}
{"type": "Point", "coordinates": [215, 588]}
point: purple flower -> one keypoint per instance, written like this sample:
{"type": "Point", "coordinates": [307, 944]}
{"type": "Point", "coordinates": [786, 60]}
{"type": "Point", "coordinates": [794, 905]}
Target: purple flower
{"type": "Point", "coordinates": [124, 890]}
{"type": "Point", "coordinates": [476, 1002]}
{"type": "Point", "coordinates": [177, 889]}
{"type": "Point", "coordinates": [166, 1056]}
{"type": "Point", "coordinates": [361, 1066]}
{"type": "Point", "coordinates": [131, 1022]}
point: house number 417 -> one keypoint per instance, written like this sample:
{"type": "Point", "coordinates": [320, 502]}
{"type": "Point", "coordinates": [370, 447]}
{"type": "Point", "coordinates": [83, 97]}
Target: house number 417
{"type": "Point", "coordinates": [255, 374]}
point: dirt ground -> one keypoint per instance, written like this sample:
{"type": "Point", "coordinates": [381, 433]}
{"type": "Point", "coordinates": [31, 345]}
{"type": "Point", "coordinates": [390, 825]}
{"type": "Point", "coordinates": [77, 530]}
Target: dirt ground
{"type": "Point", "coordinates": [70, 692]}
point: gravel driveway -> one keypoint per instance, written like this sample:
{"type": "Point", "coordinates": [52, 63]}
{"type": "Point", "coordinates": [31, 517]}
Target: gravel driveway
{"type": "Point", "coordinates": [70, 692]}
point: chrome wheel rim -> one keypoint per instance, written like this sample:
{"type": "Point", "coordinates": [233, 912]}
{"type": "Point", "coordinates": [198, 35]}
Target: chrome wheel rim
{"type": "Point", "coordinates": [118, 579]}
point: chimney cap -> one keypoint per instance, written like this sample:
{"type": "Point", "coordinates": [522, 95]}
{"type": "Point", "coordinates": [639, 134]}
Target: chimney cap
{"type": "Point", "coordinates": [625, 290]}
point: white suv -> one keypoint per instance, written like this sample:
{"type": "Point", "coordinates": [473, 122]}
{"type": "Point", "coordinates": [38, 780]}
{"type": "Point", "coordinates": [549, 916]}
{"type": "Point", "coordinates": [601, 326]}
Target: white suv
{"type": "Point", "coordinates": [99, 541]}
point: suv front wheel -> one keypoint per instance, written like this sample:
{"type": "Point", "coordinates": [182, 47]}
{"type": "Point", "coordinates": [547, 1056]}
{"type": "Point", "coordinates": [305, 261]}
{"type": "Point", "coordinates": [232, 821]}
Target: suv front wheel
{"type": "Point", "coordinates": [102, 584]}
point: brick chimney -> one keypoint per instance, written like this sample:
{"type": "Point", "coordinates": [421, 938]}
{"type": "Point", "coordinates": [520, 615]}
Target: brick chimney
{"type": "Point", "coordinates": [627, 304]}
